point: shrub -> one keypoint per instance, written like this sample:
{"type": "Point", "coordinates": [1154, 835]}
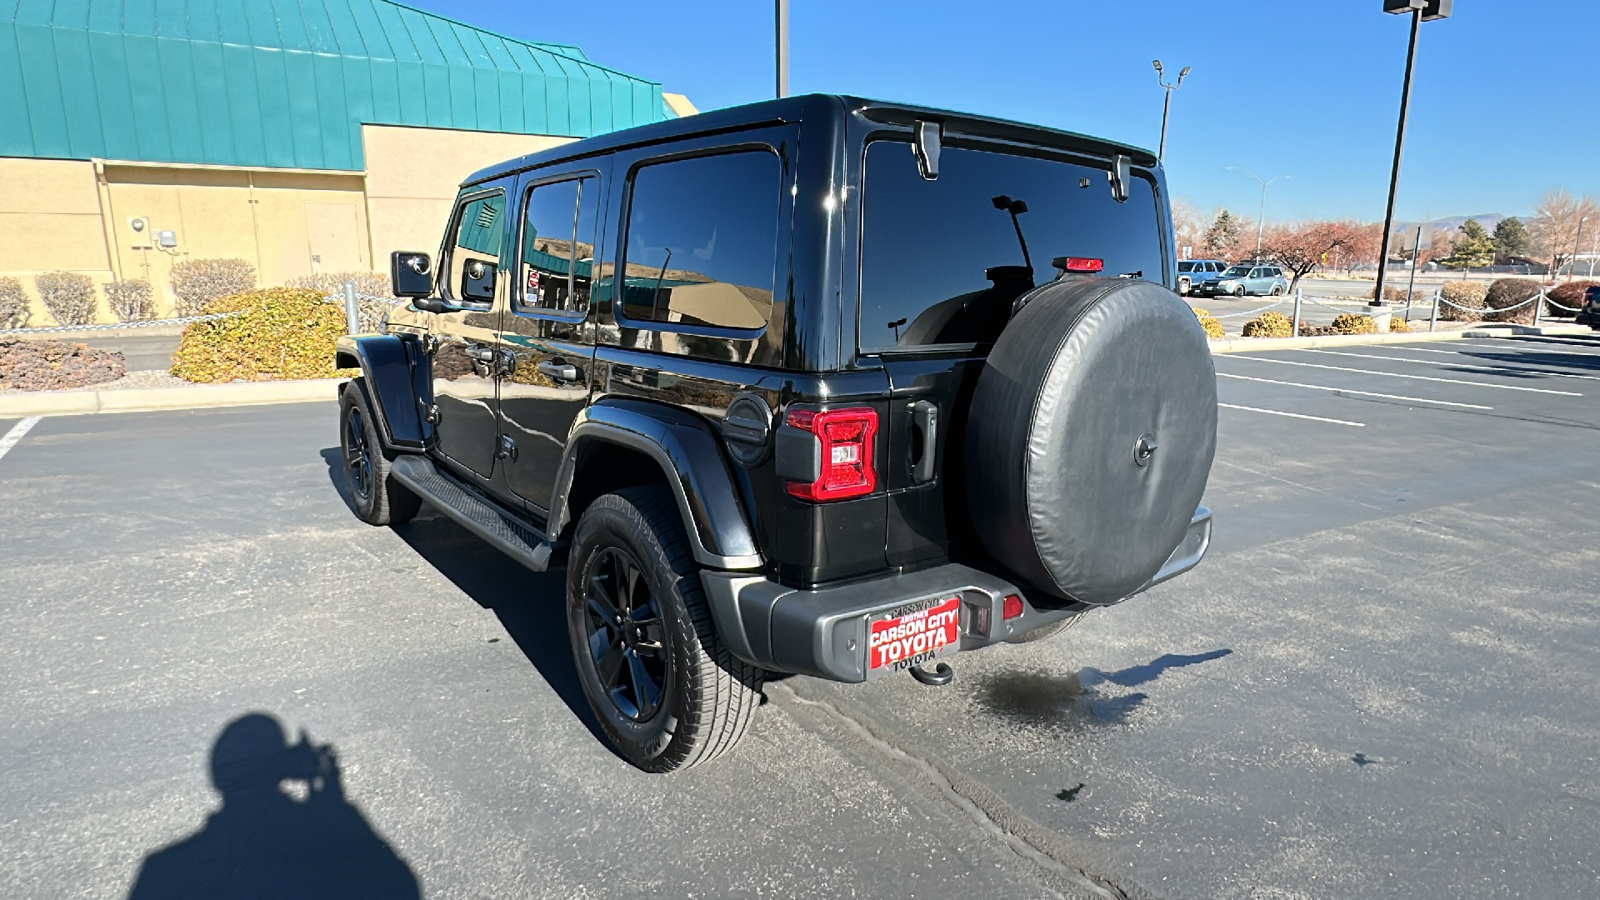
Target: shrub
{"type": "Point", "coordinates": [1308, 330]}
{"type": "Point", "coordinates": [1506, 293]}
{"type": "Point", "coordinates": [196, 282]}
{"type": "Point", "coordinates": [53, 365]}
{"type": "Point", "coordinates": [1398, 325]}
{"type": "Point", "coordinates": [68, 295]}
{"type": "Point", "coordinates": [1569, 295]}
{"type": "Point", "coordinates": [1208, 322]}
{"type": "Point", "coordinates": [373, 291]}
{"type": "Point", "coordinates": [14, 311]}
{"type": "Point", "coordinates": [1462, 293]}
{"type": "Point", "coordinates": [279, 333]}
{"type": "Point", "coordinates": [1351, 323]}
{"type": "Point", "coordinates": [130, 300]}
{"type": "Point", "coordinates": [1269, 324]}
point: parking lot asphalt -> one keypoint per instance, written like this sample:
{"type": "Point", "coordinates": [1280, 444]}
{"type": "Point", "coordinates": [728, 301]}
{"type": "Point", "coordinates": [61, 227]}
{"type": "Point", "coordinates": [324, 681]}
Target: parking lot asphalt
{"type": "Point", "coordinates": [1383, 680]}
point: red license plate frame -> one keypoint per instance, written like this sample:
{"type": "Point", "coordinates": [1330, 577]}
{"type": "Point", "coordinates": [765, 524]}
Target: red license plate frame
{"type": "Point", "coordinates": [913, 634]}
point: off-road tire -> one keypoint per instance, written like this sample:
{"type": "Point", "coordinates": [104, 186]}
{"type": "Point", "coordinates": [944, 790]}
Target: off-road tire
{"type": "Point", "coordinates": [709, 696]}
{"type": "Point", "coordinates": [1048, 631]}
{"type": "Point", "coordinates": [381, 501]}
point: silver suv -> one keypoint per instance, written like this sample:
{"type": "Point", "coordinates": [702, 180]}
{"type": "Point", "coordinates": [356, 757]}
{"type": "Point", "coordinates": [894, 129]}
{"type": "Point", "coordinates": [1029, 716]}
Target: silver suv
{"type": "Point", "coordinates": [1249, 278]}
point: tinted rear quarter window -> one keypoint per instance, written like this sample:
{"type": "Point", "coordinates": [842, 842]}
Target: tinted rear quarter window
{"type": "Point", "coordinates": [702, 240]}
{"type": "Point", "coordinates": [941, 264]}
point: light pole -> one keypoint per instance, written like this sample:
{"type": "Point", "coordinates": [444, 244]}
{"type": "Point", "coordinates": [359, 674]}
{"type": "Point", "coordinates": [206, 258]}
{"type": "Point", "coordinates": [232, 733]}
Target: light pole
{"type": "Point", "coordinates": [1421, 11]}
{"type": "Point", "coordinates": [1261, 218]}
{"type": "Point", "coordinates": [1166, 107]}
{"type": "Point", "coordinates": [782, 29]}
{"type": "Point", "coordinates": [1572, 267]}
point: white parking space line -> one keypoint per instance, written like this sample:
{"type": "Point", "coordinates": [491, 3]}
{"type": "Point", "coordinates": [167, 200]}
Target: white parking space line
{"type": "Point", "coordinates": [16, 433]}
{"type": "Point", "coordinates": [1527, 345]}
{"type": "Point", "coordinates": [1334, 390]}
{"type": "Point", "coordinates": [1507, 369]}
{"type": "Point", "coordinates": [1484, 384]}
{"type": "Point", "coordinates": [1279, 412]}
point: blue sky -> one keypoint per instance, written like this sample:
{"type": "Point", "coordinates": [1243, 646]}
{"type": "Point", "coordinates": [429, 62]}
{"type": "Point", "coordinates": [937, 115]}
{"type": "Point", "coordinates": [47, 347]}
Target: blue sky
{"type": "Point", "coordinates": [1506, 102]}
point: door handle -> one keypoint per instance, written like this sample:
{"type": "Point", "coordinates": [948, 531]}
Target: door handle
{"type": "Point", "coordinates": [925, 418]}
{"type": "Point", "coordinates": [558, 369]}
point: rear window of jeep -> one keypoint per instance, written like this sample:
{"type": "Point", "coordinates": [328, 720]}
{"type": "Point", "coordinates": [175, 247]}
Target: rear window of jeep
{"type": "Point", "coordinates": [941, 261]}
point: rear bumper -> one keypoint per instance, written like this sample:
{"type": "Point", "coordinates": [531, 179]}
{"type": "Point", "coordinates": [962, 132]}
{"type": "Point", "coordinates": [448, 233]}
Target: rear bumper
{"type": "Point", "coordinates": [823, 632]}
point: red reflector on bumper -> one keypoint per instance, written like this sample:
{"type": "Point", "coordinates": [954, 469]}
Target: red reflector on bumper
{"type": "Point", "coordinates": [1011, 607]}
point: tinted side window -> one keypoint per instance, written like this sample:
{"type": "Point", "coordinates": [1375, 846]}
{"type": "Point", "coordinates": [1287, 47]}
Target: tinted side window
{"type": "Point", "coordinates": [474, 250]}
{"type": "Point", "coordinates": [941, 262]}
{"type": "Point", "coordinates": [1186, 266]}
{"type": "Point", "coordinates": [702, 240]}
{"type": "Point", "coordinates": [557, 255]}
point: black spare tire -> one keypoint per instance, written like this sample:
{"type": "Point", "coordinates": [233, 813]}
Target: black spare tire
{"type": "Point", "coordinates": [1090, 437]}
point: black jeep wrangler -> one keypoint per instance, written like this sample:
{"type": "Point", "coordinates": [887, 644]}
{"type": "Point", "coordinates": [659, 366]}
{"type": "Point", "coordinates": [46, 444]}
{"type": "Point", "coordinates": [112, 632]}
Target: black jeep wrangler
{"type": "Point", "coordinates": [785, 390]}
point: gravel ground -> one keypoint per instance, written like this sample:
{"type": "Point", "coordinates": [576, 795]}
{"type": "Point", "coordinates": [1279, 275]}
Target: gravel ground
{"type": "Point", "coordinates": [154, 378]}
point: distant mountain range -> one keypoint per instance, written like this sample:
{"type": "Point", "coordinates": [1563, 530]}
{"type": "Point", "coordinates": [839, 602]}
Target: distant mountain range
{"type": "Point", "coordinates": [1408, 230]}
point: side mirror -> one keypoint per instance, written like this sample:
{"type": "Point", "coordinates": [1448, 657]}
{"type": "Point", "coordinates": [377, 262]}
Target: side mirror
{"type": "Point", "coordinates": [477, 281]}
{"type": "Point", "coordinates": [410, 274]}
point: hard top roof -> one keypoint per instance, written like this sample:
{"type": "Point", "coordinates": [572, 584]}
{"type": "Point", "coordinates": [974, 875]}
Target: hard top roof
{"type": "Point", "coordinates": [793, 109]}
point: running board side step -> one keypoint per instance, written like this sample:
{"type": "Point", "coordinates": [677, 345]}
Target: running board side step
{"type": "Point", "coordinates": [475, 513]}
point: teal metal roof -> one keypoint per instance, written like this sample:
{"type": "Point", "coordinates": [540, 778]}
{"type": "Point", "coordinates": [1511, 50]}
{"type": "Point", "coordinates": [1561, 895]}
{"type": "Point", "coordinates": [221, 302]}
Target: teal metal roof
{"type": "Point", "coordinates": [281, 83]}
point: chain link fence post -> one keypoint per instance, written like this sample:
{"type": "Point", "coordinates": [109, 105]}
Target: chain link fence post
{"type": "Point", "coordinates": [352, 312]}
{"type": "Point", "coordinates": [1538, 308]}
{"type": "Point", "coordinates": [1433, 320]}
{"type": "Point", "coordinates": [1298, 293]}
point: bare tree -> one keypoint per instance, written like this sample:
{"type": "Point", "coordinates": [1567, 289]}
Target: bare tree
{"type": "Point", "coordinates": [1555, 225]}
{"type": "Point", "coordinates": [1189, 225]}
{"type": "Point", "coordinates": [1301, 247]}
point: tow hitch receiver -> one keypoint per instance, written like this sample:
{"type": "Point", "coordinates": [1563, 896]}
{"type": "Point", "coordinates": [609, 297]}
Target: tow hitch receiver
{"type": "Point", "coordinates": [941, 675]}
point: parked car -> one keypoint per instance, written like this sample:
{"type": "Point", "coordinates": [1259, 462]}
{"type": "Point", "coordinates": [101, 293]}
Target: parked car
{"type": "Point", "coordinates": [1198, 272]}
{"type": "Point", "coordinates": [1590, 313]}
{"type": "Point", "coordinates": [780, 388]}
{"type": "Point", "coordinates": [1248, 278]}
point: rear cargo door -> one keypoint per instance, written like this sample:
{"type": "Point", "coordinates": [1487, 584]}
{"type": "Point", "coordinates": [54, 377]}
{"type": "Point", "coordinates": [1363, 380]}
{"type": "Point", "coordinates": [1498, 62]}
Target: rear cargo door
{"type": "Point", "coordinates": [942, 261]}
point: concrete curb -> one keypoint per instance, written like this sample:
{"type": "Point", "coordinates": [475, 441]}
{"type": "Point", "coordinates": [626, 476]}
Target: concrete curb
{"type": "Point", "coordinates": [197, 396]}
{"type": "Point", "coordinates": [1243, 344]}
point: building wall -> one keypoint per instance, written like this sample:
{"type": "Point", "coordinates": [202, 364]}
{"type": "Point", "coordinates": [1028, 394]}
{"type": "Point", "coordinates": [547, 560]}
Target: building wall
{"type": "Point", "coordinates": [76, 215]}
{"type": "Point", "coordinates": [413, 175]}
{"type": "Point", "coordinates": [50, 220]}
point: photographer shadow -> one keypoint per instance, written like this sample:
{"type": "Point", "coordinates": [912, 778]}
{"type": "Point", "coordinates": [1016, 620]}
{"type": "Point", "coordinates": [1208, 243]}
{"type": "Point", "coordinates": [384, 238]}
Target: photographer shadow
{"type": "Point", "coordinates": [530, 606]}
{"type": "Point", "coordinates": [265, 841]}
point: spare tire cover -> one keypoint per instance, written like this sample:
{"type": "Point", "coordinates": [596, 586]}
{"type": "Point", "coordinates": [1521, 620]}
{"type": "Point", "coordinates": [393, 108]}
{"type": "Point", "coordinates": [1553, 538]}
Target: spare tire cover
{"type": "Point", "coordinates": [1084, 373]}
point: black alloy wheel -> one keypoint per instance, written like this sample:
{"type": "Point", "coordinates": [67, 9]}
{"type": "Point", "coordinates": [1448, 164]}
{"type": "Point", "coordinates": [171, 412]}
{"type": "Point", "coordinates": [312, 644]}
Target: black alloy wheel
{"type": "Point", "coordinates": [357, 455]}
{"type": "Point", "coordinates": [625, 635]}
{"type": "Point", "coordinates": [376, 498]}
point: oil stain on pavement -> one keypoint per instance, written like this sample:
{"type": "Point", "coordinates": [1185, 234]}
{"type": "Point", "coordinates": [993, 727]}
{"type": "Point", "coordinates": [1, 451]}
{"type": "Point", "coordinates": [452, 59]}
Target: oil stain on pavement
{"type": "Point", "coordinates": [1043, 698]}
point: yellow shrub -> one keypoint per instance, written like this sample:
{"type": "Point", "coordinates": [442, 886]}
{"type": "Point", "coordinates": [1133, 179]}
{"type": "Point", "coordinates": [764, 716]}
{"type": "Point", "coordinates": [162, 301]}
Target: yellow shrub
{"type": "Point", "coordinates": [1269, 324]}
{"type": "Point", "coordinates": [1208, 322]}
{"type": "Point", "coordinates": [1350, 323]}
{"type": "Point", "coordinates": [279, 333]}
{"type": "Point", "coordinates": [1399, 326]}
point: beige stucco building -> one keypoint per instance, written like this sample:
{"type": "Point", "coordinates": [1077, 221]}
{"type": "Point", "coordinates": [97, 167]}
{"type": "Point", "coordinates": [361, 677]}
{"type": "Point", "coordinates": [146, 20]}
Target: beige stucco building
{"type": "Point", "coordinates": [391, 153]}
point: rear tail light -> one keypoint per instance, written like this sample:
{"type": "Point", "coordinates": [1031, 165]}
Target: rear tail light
{"type": "Point", "coordinates": [1083, 264]}
{"type": "Point", "coordinates": [845, 437]}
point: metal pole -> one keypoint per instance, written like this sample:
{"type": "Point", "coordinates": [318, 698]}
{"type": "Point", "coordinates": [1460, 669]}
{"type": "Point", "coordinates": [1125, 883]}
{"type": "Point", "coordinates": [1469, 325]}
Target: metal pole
{"type": "Point", "coordinates": [1415, 255]}
{"type": "Point", "coordinates": [1166, 107]}
{"type": "Point", "coordinates": [352, 312]}
{"type": "Point", "coordinates": [1399, 147]}
{"type": "Point", "coordinates": [1538, 308]}
{"type": "Point", "coordinates": [1572, 267]}
{"type": "Point", "coordinates": [1433, 321]}
{"type": "Point", "coordinates": [1261, 221]}
{"type": "Point", "coordinates": [1298, 292]}
{"type": "Point", "coordinates": [783, 47]}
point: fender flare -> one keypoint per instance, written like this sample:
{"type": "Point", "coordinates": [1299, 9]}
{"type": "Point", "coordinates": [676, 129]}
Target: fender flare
{"type": "Point", "coordinates": [689, 454]}
{"type": "Point", "coordinates": [392, 385]}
